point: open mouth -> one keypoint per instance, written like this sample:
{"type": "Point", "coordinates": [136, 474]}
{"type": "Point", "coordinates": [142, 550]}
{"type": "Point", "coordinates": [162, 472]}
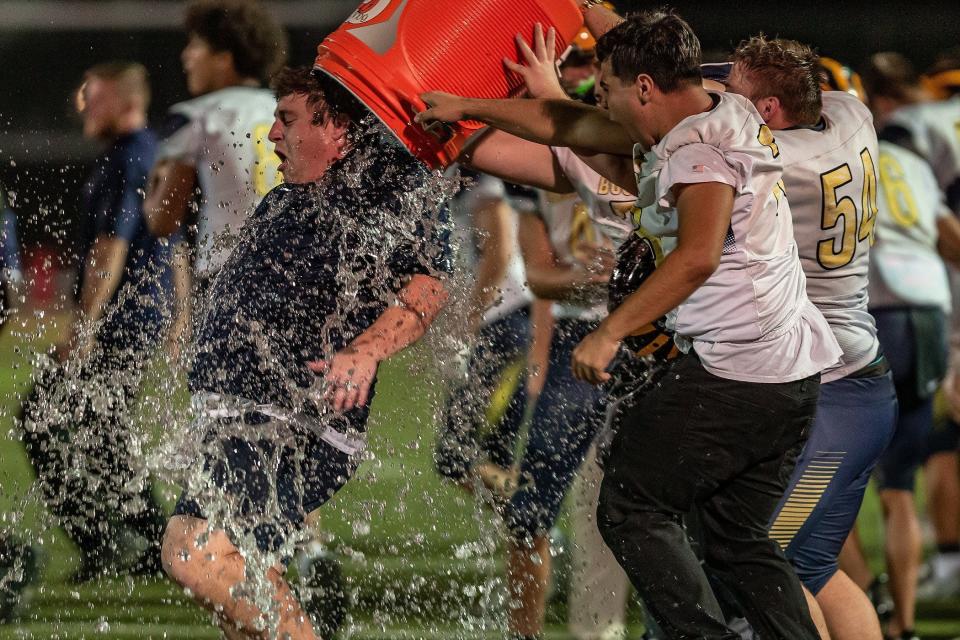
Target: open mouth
{"type": "Point", "coordinates": [283, 159]}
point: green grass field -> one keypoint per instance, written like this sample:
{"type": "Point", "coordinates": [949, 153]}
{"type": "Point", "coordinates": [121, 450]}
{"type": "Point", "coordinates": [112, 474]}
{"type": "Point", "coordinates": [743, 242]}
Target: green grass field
{"type": "Point", "coordinates": [422, 559]}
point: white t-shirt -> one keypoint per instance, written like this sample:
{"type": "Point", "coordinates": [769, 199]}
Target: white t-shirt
{"type": "Point", "coordinates": [751, 320]}
{"type": "Point", "coordinates": [905, 267]}
{"type": "Point", "coordinates": [831, 183]}
{"type": "Point", "coordinates": [223, 135]}
{"type": "Point", "coordinates": [513, 293]}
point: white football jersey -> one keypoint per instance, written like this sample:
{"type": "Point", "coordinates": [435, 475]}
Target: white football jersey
{"type": "Point", "coordinates": [513, 291]}
{"type": "Point", "coordinates": [571, 228]}
{"type": "Point", "coordinates": [934, 129]}
{"type": "Point", "coordinates": [905, 267]}
{"type": "Point", "coordinates": [751, 320]}
{"type": "Point", "coordinates": [224, 136]}
{"type": "Point", "coordinates": [609, 206]}
{"type": "Point", "coordinates": [830, 178]}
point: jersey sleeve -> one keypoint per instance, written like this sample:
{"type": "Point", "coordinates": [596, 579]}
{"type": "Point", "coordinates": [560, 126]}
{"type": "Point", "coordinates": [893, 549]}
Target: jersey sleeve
{"type": "Point", "coordinates": [693, 164]}
{"type": "Point", "coordinates": [180, 139]}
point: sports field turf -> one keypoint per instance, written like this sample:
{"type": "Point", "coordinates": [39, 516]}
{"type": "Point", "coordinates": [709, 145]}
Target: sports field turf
{"type": "Point", "coordinates": [421, 559]}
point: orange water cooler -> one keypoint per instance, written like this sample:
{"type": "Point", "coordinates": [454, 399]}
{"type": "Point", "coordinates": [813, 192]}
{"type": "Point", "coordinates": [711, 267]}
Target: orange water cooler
{"type": "Point", "coordinates": [390, 51]}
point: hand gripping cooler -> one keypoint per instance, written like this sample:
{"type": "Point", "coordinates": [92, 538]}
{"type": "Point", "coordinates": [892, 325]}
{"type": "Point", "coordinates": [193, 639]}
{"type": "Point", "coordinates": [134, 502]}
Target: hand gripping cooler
{"type": "Point", "coordinates": [390, 51]}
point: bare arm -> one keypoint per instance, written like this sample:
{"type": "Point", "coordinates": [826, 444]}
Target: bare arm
{"type": "Point", "coordinates": [547, 278]}
{"type": "Point", "coordinates": [948, 240]}
{"type": "Point", "coordinates": [180, 328]}
{"type": "Point", "coordinates": [560, 123]}
{"type": "Point", "coordinates": [350, 372]}
{"type": "Point", "coordinates": [492, 220]}
{"type": "Point", "coordinates": [599, 20]}
{"type": "Point", "coordinates": [168, 197]}
{"type": "Point", "coordinates": [103, 271]}
{"type": "Point", "coordinates": [703, 212]}
{"type": "Point", "coordinates": [517, 160]}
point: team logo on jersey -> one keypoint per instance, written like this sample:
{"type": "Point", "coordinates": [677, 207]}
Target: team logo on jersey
{"type": "Point", "coordinates": [368, 11]}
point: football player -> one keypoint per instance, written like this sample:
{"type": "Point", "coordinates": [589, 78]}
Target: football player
{"type": "Point", "coordinates": [929, 127]}
{"type": "Point", "coordinates": [909, 297]}
{"type": "Point", "coordinates": [828, 146]}
{"type": "Point", "coordinates": [556, 257]}
{"type": "Point", "coordinates": [346, 259]}
{"type": "Point", "coordinates": [217, 142]}
{"type": "Point", "coordinates": [121, 313]}
{"type": "Point", "coordinates": [498, 319]}
{"type": "Point", "coordinates": [729, 257]}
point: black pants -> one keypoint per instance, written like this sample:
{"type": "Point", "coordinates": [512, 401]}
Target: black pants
{"type": "Point", "coordinates": [77, 434]}
{"type": "Point", "coordinates": [724, 449]}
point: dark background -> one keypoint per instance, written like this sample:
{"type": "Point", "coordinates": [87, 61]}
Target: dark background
{"type": "Point", "coordinates": [45, 45]}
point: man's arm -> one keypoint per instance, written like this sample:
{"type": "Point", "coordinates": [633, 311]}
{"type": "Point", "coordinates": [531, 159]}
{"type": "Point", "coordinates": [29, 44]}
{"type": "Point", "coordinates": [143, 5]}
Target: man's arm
{"type": "Point", "coordinates": [102, 273]}
{"type": "Point", "coordinates": [599, 20]}
{"type": "Point", "coordinates": [491, 218]}
{"type": "Point", "coordinates": [169, 196]}
{"type": "Point", "coordinates": [181, 326]}
{"type": "Point", "coordinates": [948, 239]}
{"type": "Point", "coordinates": [703, 213]}
{"type": "Point", "coordinates": [350, 372]}
{"type": "Point", "coordinates": [559, 123]}
{"type": "Point", "coordinates": [517, 160]}
{"type": "Point", "coordinates": [547, 278]}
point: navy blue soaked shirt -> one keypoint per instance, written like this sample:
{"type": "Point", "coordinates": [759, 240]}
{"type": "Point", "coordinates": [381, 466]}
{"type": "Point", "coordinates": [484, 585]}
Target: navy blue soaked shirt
{"type": "Point", "coordinates": [113, 206]}
{"type": "Point", "coordinates": [315, 266]}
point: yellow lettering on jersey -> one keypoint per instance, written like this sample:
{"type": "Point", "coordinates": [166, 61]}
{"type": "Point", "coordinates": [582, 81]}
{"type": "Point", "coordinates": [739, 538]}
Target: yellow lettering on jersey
{"type": "Point", "coordinates": [843, 210]}
{"type": "Point", "coordinates": [897, 192]}
{"type": "Point", "coordinates": [765, 137]}
{"type": "Point", "coordinates": [266, 164]}
{"type": "Point", "coordinates": [779, 190]}
{"type": "Point", "coordinates": [868, 198]}
{"type": "Point", "coordinates": [836, 212]}
{"type": "Point", "coordinates": [582, 231]}
{"type": "Point", "coordinates": [608, 188]}
{"type": "Point", "coordinates": [622, 209]}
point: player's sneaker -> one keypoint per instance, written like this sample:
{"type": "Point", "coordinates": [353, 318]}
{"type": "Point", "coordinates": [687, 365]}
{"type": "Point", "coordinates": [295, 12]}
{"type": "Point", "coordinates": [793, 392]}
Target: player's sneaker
{"type": "Point", "coordinates": [939, 580]}
{"type": "Point", "coordinates": [322, 591]}
{"type": "Point", "coordinates": [18, 568]}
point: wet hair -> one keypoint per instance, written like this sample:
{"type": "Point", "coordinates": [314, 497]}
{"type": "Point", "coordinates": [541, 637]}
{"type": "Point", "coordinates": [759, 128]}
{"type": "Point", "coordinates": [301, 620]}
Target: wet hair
{"type": "Point", "coordinates": [244, 28]}
{"type": "Point", "coordinates": [784, 69]}
{"type": "Point", "coordinates": [659, 44]}
{"type": "Point", "coordinates": [130, 77]}
{"type": "Point", "coordinates": [327, 97]}
{"type": "Point", "coordinates": [890, 75]}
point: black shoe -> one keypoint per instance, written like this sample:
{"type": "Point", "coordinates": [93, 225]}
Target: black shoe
{"type": "Point", "coordinates": [18, 568]}
{"type": "Point", "coordinates": [322, 593]}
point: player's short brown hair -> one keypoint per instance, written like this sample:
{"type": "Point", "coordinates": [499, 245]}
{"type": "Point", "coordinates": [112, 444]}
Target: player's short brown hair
{"type": "Point", "coordinates": [244, 28]}
{"type": "Point", "coordinates": [130, 77]}
{"type": "Point", "coordinates": [659, 44]}
{"type": "Point", "coordinates": [784, 69]}
{"type": "Point", "coordinates": [325, 96]}
{"type": "Point", "coordinates": [890, 75]}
